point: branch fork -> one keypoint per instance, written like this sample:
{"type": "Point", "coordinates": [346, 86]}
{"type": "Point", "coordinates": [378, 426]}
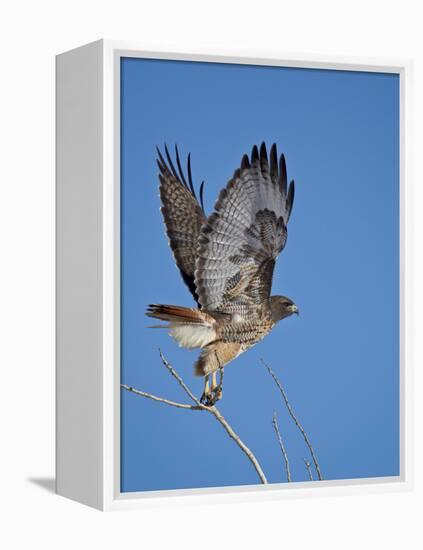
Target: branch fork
{"type": "Point", "coordinates": [198, 406]}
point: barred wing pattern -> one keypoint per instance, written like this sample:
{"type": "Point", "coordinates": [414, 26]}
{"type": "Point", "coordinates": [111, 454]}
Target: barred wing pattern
{"type": "Point", "coordinates": [183, 214]}
{"type": "Point", "coordinates": [241, 240]}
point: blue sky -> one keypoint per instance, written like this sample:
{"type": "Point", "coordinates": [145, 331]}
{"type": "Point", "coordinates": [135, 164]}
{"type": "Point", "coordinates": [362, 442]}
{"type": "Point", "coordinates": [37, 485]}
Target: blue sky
{"type": "Point", "coordinates": [339, 360]}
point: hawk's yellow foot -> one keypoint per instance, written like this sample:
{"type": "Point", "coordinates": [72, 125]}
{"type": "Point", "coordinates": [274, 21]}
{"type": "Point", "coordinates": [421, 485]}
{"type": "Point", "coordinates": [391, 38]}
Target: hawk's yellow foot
{"type": "Point", "coordinates": [212, 393]}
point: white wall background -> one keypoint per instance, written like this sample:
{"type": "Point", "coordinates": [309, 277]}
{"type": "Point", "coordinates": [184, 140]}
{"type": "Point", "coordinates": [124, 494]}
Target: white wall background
{"type": "Point", "coordinates": [31, 34]}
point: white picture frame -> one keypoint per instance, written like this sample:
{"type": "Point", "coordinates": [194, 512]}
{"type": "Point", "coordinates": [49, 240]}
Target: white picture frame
{"type": "Point", "coordinates": [88, 260]}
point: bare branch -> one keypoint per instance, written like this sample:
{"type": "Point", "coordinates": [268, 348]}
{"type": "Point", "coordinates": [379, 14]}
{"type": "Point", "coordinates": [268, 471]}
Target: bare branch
{"type": "Point", "coordinates": [160, 399]}
{"type": "Point", "coordinates": [307, 464]}
{"type": "Point", "coordinates": [295, 419]}
{"type": "Point", "coordinates": [200, 407]}
{"type": "Point", "coordinates": [282, 446]}
{"type": "Point", "coordinates": [219, 417]}
{"type": "Point", "coordinates": [179, 379]}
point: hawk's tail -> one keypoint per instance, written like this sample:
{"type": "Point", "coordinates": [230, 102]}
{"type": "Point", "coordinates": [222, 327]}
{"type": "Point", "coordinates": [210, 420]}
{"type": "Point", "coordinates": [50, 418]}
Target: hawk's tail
{"type": "Point", "coordinates": [190, 327]}
{"type": "Point", "coordinates": [175, 314]}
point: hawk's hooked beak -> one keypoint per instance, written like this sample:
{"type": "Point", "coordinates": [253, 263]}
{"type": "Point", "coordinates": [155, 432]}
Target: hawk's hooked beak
{"type": "Point", "coordinates": [294, 309]}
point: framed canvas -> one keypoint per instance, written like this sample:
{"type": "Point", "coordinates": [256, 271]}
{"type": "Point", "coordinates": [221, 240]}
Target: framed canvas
{"type": "Point", "coordinates": [179, 176]}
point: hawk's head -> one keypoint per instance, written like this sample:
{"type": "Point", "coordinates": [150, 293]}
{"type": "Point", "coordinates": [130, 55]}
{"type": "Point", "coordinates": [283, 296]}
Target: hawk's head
{"type": "Point", "coordinates": [282, 307]}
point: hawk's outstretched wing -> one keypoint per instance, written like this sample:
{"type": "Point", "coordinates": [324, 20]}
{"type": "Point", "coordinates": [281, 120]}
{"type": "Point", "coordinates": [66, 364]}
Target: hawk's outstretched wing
{"type": "Point", "coordinates": [241, 240]}
{"type": "Point", "coordinates": [183, 214]}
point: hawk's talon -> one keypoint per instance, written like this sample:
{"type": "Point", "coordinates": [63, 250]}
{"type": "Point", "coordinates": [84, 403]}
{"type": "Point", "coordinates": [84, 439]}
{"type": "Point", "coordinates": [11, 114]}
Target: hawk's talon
{"type": "Point", "coordinates": [218, 392]}
{"type": "Point", "coordinates": [206, 400]}
{"type": "Point", "coordinates": [211, 398]}
{"type": "Point", "coordinates": [212, 392]}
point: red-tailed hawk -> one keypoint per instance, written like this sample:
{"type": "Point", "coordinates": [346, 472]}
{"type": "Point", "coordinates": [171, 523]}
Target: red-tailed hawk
{"type": "Point", "coordinates": [227, 259]}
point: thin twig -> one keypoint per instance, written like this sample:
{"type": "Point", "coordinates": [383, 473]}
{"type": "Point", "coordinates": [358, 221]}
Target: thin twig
{"type": "Point", "coordinates": [307, 464]}
{"type": "Point", "coordinates": [179, 379]}
{"type": "Point", "coordinates": [200, 407]}
{"type": "Point", "coordinates": [295, 419]}
{"type": "Point", "coordinates": [220, 418]}
{"type": "Point", "coordinates": [160, 399]}
{"type": "Point", "coordinates": [282, 446]}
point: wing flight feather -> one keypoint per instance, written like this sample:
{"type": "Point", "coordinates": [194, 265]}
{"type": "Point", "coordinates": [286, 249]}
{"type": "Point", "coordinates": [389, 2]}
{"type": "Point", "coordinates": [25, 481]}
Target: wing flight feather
{"type": "Point", "coordinates": [183, 214]}
{"type": "Point", "coordinates": [241, 240]}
